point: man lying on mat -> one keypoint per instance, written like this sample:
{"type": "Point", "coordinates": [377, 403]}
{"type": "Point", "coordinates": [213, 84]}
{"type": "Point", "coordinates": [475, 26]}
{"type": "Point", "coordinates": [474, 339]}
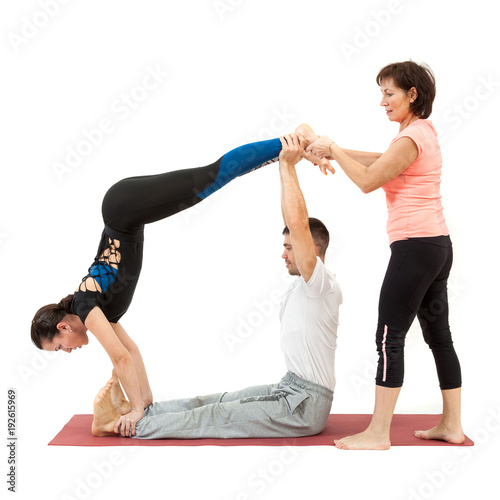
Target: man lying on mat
{"type": "Point", "coordinates": [300, 403]}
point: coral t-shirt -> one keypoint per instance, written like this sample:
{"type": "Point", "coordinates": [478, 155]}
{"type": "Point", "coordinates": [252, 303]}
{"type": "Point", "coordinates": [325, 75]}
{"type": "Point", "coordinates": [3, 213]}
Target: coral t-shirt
{"type": "Point", "coordinates": [413, 197]}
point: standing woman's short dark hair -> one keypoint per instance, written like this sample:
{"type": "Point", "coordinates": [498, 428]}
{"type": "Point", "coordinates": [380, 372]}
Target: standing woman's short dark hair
{"type": "Point", "coordinates": [408, 74]}
{"type": "Point", "coordinates": [44, 324]}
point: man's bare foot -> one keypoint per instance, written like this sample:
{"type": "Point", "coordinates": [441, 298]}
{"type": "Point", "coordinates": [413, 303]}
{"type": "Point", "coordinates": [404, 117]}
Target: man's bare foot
{"type": "Point", "coordinates": [366, 440]}
{"type": "Point", "coordinates": [122, 406]}
{"type": "Point", "coordinates": [442, 433]}
{"type": "Point", "coordinates": [105, 415]}
{"type": "Point", "coordinates": [307, 132]}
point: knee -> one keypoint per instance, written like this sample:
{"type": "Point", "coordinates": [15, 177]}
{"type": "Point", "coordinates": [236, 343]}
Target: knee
{"type": "Point", "coordinates": [319, 425]}
{"type": "Point", "coordinates": [112, 201]}
{"type": "Point", "coordinates": [438, 338]}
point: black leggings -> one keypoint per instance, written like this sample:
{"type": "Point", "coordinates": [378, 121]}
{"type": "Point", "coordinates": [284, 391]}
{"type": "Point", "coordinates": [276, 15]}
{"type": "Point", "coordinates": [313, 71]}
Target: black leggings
{"type": "Point", "coordinates": [415, 284]}
{"type": "Point", "coordinates": [136, 201]}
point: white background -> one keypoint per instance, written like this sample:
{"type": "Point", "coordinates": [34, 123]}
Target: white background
{"type": "Point", "coordinates": [230, 72]}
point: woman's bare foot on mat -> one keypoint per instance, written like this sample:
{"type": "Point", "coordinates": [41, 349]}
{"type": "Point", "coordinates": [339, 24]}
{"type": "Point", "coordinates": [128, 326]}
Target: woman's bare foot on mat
{"type": "Point", "coordinates": [366, 440]}
{"type": "Point", "coordinates": [105, 415]}
{"type": "Point", "coordinates": [442, 433]}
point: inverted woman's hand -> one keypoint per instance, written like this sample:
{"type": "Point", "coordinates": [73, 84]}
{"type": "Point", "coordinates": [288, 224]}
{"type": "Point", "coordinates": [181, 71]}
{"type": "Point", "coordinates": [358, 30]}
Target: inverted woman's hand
{"type": "Point", "coordinates": [127, 423]}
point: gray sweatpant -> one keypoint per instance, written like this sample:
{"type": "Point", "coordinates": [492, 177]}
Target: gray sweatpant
{"type": "Point", "coordinates": [292, 408]}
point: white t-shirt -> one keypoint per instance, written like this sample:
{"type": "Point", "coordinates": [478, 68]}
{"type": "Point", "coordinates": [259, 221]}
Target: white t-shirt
{"type": "Point", "coordinates": [309, 318]}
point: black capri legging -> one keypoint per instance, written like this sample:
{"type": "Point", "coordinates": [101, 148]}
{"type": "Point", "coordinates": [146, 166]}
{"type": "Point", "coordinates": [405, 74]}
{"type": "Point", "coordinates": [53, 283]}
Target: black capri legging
{"type": "Point", "coordinates": [415, 284]}
{"type": "Point", "coordinates": [136, 201]}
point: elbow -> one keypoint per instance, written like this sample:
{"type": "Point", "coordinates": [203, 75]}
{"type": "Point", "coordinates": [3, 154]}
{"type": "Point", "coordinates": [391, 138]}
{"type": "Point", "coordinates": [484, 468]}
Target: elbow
{"type": "Point", "coordinates": [297, 223]}
{"type": "Point", "coordinates": [132, 348]}
{"type": "Point", "coordinates": [368, 187]}
{"type": "Point", "coordinates": [121, 359]}
{"type": "Point", "coordinates": [368, 182]}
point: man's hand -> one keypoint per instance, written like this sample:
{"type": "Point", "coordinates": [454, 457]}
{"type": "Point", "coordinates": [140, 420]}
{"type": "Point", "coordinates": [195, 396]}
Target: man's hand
{"type": "Point", "coordinates": [292, 148]}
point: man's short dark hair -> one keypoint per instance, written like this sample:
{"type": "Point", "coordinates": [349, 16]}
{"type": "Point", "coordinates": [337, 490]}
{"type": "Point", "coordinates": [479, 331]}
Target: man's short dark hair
{"type": "Point", "coordinates": [319, 232]}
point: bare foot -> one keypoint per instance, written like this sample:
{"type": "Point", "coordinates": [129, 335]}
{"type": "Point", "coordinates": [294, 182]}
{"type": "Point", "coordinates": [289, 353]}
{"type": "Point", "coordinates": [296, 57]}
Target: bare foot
{"type": "Point", "coordinates": [307, 132]}
{"type": "Point", "coordinates": [366, 440]}
{"type": "Point", "coordinates": [442, 433]}
{"type": "Point", "coordinates": [122, 406]}
{"type": "Point", "coordinates": [105, 415]}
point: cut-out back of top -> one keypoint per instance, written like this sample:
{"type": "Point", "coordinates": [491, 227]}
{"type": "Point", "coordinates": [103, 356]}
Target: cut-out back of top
{"type": "Point", "coordinates": [104, 270]}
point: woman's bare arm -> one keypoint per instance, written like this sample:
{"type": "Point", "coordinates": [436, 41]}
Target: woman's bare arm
{"type": "Point", "coordinates": [363, 157]}
{"type": "Point", "coordinates": [123, 363]}
{"type": "Point", "coordinates": [140, 368]}
{"type": "Point", "coordinates": [400, 155]}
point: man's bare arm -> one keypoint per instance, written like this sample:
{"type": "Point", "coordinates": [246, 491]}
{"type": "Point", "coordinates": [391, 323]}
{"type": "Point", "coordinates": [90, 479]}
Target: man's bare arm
{"type": "Point", "coordinates": [294, 206]}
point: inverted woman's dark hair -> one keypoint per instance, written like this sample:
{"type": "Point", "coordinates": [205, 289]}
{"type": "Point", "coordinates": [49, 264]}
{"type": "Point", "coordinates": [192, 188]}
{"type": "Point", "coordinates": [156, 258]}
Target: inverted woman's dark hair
{"type": "Point", "coordinates": [44, 324]}
{"type": "Point", "coordinates": [408, 74]}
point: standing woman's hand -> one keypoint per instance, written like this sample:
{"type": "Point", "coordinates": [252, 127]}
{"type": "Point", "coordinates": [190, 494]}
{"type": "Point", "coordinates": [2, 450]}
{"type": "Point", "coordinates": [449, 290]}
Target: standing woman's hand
{"type": "Point", "coordinates": [321, 147]}
{"type": "Point", "coordinates": [127, 423]}
{"type": "Point", "coordinates": [319, 155]}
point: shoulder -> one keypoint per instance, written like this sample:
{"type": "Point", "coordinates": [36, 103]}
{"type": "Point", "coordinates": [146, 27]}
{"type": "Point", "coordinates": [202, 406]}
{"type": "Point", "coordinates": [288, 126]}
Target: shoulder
{"type": "Point", "coordinates": [322, 281]}
{"type": "Point", "coordinates": [420, 128]}
{"type": "Point", "coordinates": [421, 132]}
{"type": "Point", "coordinates": [84, 300]}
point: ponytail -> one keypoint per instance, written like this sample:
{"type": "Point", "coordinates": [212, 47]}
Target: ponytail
{"type": "Point", "coordinates": [44, 324]}
{"type": "Point", "coordinates": [65, 304]}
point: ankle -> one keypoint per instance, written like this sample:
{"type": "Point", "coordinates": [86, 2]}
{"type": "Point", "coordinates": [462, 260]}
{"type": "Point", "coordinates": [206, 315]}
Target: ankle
{"type": "Point", "coordinates": [379, 431]}
{"type": "Point", "coordinates": [450, 424]}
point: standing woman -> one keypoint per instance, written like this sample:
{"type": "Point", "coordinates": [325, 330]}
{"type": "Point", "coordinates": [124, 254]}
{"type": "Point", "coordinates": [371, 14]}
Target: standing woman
{"type": "Point", "coordinates": [106, 292]}
{"type": "Point", "coordinates": [415, 283]}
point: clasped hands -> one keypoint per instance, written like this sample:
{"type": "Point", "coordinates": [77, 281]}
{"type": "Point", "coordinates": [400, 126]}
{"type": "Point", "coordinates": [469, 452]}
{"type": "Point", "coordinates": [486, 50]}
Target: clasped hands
{"type": "Point", "coordinates": [295, 147]}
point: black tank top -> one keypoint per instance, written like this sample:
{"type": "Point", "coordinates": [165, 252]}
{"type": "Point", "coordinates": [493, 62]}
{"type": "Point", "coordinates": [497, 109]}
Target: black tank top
{"type": "Point", "coordinates": [115, 273]}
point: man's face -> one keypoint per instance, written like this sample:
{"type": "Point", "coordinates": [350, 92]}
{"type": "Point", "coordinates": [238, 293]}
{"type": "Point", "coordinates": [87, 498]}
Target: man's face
{"type": "Point", "coordinates": [289, 257]}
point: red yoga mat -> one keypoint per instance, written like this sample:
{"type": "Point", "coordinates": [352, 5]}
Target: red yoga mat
{"type": "Point", "coordinates": [77, 433]}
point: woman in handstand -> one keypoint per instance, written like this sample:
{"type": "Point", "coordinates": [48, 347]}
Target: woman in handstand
{"type": "Point", "coordinates": [106, 292]}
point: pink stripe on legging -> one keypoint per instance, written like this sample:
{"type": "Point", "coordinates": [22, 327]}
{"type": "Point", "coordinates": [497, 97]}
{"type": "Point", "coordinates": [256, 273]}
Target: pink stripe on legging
{"type": "Point", "coordinates": [385, 355]}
